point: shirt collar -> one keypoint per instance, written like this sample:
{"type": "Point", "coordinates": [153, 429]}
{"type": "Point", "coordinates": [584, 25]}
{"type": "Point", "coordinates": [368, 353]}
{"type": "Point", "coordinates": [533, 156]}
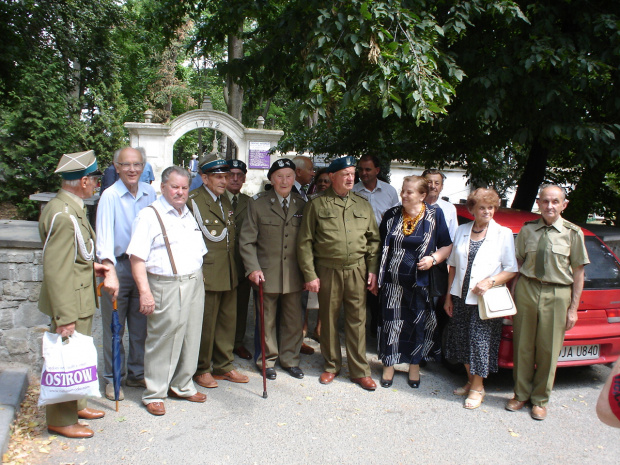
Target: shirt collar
{"type": "Point", "coordinates": [557, 225]}
{"type": "Point", "coordinates": [169, 208]}
{"type": "Point", "coordinates": [75, 198]}
{"type": "Point", "coordinates": [280, 198]}
{"type": "Point", "coordinates": [215, 197]}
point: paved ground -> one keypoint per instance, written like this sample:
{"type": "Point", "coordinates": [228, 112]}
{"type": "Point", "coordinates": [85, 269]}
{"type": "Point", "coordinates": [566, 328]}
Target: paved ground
{"type": "Point", "coordinates": [304, 422]}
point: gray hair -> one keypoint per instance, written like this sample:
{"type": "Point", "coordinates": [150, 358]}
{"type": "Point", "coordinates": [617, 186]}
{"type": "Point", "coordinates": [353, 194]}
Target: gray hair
{"type": "Point", "coordinates": [71, 183]}
{"type": "Point", "coordinates": [174, 169]}
{"type": "Point", "coordinates": [140, 150]}
{"type": "Point", "coordinates": [301, 161]}
{"type": "Point", "coordinates": [544, 186]}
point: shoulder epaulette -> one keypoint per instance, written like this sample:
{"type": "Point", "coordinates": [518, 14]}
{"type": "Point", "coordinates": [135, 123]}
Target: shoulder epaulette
{"type": "Point", "coordinates": [193, 194]}
{"type": "Point", "coordinates": [530, 222]}
{"type": "Point", "coordinates": [259, 195]}
{"type": "Point", "coordinates": [314, 196]}
{"type": "Point", "coordinates": [569, 225]}
{"type": "Point", "coordinates": [359, 194]}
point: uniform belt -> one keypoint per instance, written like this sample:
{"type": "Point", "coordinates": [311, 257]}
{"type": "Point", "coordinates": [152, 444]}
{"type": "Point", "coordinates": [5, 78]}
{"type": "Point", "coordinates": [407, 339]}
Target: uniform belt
{"type": "Point", "coordinates": [545, 283]}
{"type": "Point", "coordinates": [185, 277]}
{"type": "Point", "coordinates": [122, 257]}
{"type": "Point", "coordinates": [339, 264]}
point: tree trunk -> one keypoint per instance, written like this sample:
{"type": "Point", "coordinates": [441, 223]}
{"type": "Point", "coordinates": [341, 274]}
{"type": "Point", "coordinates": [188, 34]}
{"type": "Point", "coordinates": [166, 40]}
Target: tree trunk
{"type": "Point", "coordinates": [235, 91]}
{"type": "Point", "coordinates": [590, 187]}
{"type": "Point", "coordinates": [532, 177]}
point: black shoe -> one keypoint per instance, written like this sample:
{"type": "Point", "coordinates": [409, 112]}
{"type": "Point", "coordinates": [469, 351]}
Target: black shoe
{"type": "Point", "coordinates": [295, 372]}
{"type": "Point", "coordinates": [270, 373]}
{"type": "Point", "coordinates": [414, 383]}
{"type": "Point", "coordinates": [386, 383]}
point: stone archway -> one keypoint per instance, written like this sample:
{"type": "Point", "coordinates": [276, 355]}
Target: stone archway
{"type": "Point", "coordinates": [158, 139]}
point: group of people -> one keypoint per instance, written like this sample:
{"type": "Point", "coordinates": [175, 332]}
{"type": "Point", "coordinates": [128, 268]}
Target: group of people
{"type": "Point", "coordinates": [181, 266]}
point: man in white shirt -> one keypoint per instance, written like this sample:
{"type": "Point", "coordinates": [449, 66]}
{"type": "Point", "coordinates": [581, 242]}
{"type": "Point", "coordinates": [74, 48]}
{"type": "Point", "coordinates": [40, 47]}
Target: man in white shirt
{"type": "Point", "coordinates": [380, 194]}
{"type": "Point", "coordinates": [167, 268]}
{"type": "Point", "coordinates": [118, 207]}
{"type": "Point", "coordinates": [435, 179]}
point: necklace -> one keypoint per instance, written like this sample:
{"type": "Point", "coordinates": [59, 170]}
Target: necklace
{"type": "Point", "coordinates": [478, 232]}
{"type": "Point", "coordinates": [409, 223]}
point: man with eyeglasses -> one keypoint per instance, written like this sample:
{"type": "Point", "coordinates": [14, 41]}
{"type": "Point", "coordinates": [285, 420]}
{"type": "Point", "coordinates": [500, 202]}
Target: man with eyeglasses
{"type": "Point", "coordinates": [118, 207]}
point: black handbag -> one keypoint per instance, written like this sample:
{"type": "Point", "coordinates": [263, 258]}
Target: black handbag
{"type": "Point", "coordinates": [438, 286]}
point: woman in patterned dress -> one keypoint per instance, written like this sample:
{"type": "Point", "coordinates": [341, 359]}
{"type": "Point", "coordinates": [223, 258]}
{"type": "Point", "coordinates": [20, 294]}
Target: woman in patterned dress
{"type": "Point", "coordinates": [414, 238]}
{"type": "Point", "coordinates": [483, 256]}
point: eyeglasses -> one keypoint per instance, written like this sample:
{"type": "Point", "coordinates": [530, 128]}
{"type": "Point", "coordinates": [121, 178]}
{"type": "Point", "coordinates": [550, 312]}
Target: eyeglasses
{"type": "Point", "coordinates": [129, 166]}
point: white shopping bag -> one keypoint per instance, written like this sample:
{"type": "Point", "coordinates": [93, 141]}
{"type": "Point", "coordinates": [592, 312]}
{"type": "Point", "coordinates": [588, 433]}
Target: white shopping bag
{"type": "Point", "coordinates": [69, 369]}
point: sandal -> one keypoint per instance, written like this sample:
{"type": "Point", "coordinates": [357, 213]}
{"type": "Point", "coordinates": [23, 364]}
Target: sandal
{"type": "Point", "coordinates": [462, 391]}
{"type": "Point", "coordinates": [471, 403]}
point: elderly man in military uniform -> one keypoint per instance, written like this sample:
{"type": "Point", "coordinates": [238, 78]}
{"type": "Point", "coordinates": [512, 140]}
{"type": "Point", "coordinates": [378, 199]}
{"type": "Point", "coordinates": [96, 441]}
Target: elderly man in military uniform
{"type": "Point", "coordinates": [239, 202]}
{"type": "Point", "coordinates": [337, 249]}
{"type": "Point", "coordinates": [215, 217]}
{"type": "Point", "coordinates": [268, 248]}
{"type": "Point", "coordinates": [68, 290]}
{"type": "Point", "coordinates": [552, 255]}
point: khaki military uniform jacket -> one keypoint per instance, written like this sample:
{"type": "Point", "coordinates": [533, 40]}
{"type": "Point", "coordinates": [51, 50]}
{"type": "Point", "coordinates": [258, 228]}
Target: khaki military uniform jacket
{"type": "Point", "coordinates": [218, 267]}
{"type": "Point", "coordinates": [566, 250]}
{"type": "Point", "coordinates": [337, 233]}
{"type": "Point", "coordinates": [240, 214]}
{"type": "Point", "coordinates": [68, 290]}
{"type": "Point", "coordinates": [268, 241]}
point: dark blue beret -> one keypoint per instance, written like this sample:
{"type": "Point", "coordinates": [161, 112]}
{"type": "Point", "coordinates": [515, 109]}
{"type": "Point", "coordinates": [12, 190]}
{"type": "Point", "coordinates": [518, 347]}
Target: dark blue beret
{"type": "Point", "coordinates": [237, 164]}
{"type": "Point", "coordinates": [341, 163]}
{"type": "Point", "coordinates": [279, 164]}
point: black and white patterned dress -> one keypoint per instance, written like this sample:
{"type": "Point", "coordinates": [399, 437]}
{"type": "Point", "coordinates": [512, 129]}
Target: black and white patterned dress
{"type": "Point", "coordinates": [407, 324]}
{"type": "Point", "coordinates": [471, 340]}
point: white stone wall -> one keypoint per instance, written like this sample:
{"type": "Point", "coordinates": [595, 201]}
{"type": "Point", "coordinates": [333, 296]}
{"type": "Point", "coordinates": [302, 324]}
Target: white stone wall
{"type": "Point", "coordinates": [21, 323]}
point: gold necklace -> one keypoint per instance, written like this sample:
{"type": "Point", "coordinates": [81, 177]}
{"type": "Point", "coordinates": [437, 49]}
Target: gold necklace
{"type": "Point", "coordinates": [409, 223]}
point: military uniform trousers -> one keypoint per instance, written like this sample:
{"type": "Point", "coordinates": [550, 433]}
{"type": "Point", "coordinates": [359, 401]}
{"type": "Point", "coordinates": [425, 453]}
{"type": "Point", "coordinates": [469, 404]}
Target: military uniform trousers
{"type": "Point", "coordinates": [539, 327]}
{"type": "Point", "coordinates": [218, 332]}
{"type": "Point", "coordinates": [65, 413]}
{"type": "Point", "coordinates": [343, 287]}
{"type": "Point", "coordinates": [243, 300]}
{"type": "Point", "coordinates": [173, 335]}
{"type": "Point", "coordinates": [291, 328]}
{"type": "Point", "coordinates": [128, 304]}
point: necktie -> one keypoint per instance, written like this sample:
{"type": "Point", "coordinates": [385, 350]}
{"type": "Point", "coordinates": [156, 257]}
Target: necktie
{"type": "Point", "coordinates": [234, 203]}
{"type": "Point", "coordinates": [285, 207]}
{"type": "Point", "coordinates": [541, 254]}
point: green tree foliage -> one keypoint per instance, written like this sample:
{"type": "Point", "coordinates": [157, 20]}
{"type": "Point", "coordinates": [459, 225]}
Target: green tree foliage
{"type": "Point", "coordinates": [63, 95]}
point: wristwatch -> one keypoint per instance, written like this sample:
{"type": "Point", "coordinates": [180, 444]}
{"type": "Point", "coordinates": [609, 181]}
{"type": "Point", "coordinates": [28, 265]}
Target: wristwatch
{"type": "Point", "coordinates": [434, 259]}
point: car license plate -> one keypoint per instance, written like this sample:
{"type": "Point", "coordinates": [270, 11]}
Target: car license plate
{"type": "Point", "coordinates": [584, 352]}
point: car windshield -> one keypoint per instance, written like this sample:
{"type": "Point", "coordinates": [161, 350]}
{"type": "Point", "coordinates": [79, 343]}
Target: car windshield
{"type": "Point", "coordinates": [603, 272]}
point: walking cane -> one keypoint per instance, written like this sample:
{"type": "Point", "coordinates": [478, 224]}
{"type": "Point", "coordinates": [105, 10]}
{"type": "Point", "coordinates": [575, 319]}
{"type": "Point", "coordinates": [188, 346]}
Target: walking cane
{"type": "Point", "coordinates": [261, 310]}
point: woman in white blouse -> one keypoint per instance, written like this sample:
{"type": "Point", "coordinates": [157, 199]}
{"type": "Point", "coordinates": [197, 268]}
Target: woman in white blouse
{"type": "Point", "coordinates": [483, 256]}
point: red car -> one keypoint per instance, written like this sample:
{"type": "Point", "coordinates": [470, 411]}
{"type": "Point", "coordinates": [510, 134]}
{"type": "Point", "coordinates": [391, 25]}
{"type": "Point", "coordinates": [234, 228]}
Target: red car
{"type": "Point", "coordinates": [596, 336]}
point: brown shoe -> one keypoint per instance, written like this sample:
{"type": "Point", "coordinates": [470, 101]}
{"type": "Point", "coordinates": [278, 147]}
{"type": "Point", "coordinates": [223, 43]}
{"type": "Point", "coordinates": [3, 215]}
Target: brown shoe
{"type": "Point", "coordinates": [514, 404]}
{"type": "Point", "coordinates": [156, 408]}
{"type": "Point", "coordinates": [75, 431]}
{"type": "Point", "coordinates": [198, 397]}
{"type": "Point", "coordinates": [243, 353]}
{"type": "Point", "coordinates": [205, 380]}
{"type": "Point", "coordinates": [306, 349]}
{"type": "Point", "coordinates": [90, 414]}
{"type": "Point", "coordinates": [233, 376]}
{"type": "Point", "coordinates": [327, 377]}
{"type": "Point", "coordinates": [366, 382]}
{"type": "Point", "coordinates": [538, 412]}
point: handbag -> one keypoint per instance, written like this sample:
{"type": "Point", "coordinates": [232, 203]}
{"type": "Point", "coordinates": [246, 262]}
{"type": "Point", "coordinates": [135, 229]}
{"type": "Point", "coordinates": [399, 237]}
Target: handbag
{"type": "Point", "coordinates": [438, 285]}
{"type": "Point", "coordinates": [496, 303]}
{"type": "Point", "coordinates": [69, 369]}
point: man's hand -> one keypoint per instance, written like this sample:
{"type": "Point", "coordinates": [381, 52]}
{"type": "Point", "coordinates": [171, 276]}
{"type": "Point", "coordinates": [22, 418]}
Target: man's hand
{"type": "Point", "coordinates": [256, 277]}
{"type": "Point", "coordinates": [66, 330]}
{"type": "Point", "coordinates": [372, 283]}
{"type": "Point", "coordinates": [101, 270]}
{"type": "Point", "coordinates": [110, 283]}
{"type": "Point", "coordinates": [313, 286]}
{"type": "Point", "coordinates": [571, 318]}
{"type": "Point", "coordinates": [147, 303]}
